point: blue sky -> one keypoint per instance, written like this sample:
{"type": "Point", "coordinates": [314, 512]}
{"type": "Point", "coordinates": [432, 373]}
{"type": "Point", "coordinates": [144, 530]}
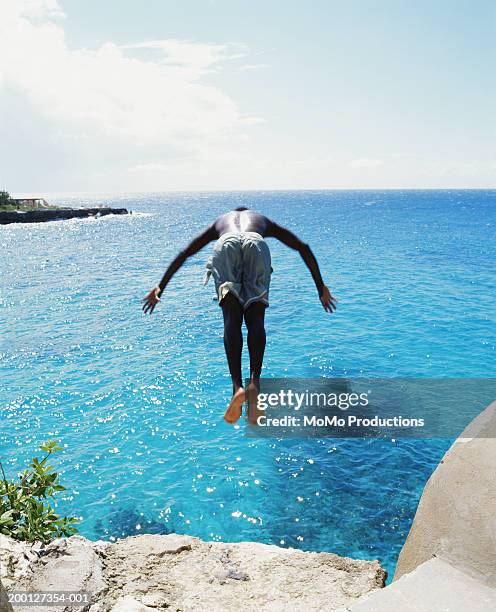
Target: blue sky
{"type": "Point", "coordinates": [229, 94]}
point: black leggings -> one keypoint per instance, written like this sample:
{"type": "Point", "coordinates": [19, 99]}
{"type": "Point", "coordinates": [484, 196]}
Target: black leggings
{"type": "Point", "coordinates": [254, 317]}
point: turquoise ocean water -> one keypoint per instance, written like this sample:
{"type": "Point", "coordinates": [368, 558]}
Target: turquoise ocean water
{"type": "Point", "coordinates": [138, 401]}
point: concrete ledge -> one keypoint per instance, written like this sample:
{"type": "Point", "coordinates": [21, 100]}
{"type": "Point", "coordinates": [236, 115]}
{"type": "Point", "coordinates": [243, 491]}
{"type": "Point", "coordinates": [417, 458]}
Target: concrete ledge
{"type": "Point", "coordinates": [456, 519]}
{"type": "Point", "coordinates": [431, 587]}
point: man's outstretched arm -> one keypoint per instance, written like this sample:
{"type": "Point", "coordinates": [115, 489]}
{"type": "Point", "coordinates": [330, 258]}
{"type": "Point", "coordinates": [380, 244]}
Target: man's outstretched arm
{"type": "Point", "coordinates": [293, 242]}
{"type": "Point", "coordinates": [151, 300]}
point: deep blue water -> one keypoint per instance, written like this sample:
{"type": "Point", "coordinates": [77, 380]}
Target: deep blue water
{"type": "Point", "coordinates": [138, 401]}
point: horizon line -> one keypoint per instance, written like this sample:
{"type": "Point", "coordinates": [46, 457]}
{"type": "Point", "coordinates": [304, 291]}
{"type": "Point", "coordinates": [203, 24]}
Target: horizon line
{"type": "Point", "coordinates": [38, 193]}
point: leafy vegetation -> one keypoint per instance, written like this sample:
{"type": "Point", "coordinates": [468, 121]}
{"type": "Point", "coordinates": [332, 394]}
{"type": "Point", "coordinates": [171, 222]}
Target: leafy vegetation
{"type": "Point", "coordinates": [25, 510]}
{"type": "Point", "coordinates": [5, 200]}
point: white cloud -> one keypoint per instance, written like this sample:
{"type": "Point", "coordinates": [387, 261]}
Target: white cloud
{"type": "Point", "coordinates": [189, 55]}
{"type": "Point", "coordinates": [39, 8]}
{"type": "Point", "coordinates": [366, 162]}
{"type": "Point", "coordinates": [251, 67]}
{"type": "Point", "coordinates": [143, 103]}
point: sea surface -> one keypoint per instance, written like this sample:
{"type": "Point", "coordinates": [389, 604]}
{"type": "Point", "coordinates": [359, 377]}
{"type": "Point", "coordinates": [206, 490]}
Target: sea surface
{"type": "Point", "coordinates": [137, 402]}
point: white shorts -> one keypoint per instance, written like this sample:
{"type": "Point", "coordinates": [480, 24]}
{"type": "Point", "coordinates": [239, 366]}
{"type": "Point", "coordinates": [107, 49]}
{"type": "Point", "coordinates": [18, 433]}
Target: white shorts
{"type": "Point", "coordinates": [241, 264]}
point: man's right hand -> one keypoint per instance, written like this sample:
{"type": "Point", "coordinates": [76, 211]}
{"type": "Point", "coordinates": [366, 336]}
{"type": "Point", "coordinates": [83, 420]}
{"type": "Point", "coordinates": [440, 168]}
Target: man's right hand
{"type": "Point", "coordinates": [328, 302]}
{"type": "Point", "coordinates": [151, 301]}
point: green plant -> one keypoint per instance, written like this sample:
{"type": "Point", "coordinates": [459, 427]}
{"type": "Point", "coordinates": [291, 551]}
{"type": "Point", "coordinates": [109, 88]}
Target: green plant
{"type": "Point", "coordinates": [25, 510]}
{"type": "Point", "coordinates": [5, 198]}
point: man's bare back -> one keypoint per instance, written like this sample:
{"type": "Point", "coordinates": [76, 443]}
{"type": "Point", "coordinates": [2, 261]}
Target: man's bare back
{"type": "Point", "coordinates": [242, 221]}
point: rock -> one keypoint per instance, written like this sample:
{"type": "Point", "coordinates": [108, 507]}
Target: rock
{"type": "Point", "coordinates": [5, 606]}
{"type": "Point", "coordinates": [72, 564]}
{"type": "Point", "coordinates": [149, 544]}
{"type": "Point", "coordinates": [455, 519]}
{"type": "Point", "coordinates": [237, 575]}
{"type": "Point", "coordinates": [128, 604]}
{"type": "Point", "coordinates": [55, 214]}
{"type": "Point", "coordinates": [155, 600]}
{"type": "Point", "coordinates": [153, 572]}
{"type": "Point", "coordinates": [16, 559]}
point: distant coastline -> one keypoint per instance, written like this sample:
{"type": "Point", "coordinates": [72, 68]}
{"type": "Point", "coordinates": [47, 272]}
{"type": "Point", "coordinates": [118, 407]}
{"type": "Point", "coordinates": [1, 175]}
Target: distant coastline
{"type": "Point", "coordinates": [55, 214]}
{"type": "Point", "coordinates": [38, 210]}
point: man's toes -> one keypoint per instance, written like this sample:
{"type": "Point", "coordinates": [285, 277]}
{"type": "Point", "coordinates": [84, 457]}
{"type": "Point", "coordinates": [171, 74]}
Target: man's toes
{"type": "Point", "coordinates": [234, 410]}
{"type": "Point", "coordinates": [232, 414]}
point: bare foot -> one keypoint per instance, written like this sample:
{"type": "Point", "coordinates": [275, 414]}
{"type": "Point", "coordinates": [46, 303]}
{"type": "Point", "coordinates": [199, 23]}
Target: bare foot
{"type": "Point", "coordinates": [234, 409]}
{"type": "Point", "coordinates": [253, 410]}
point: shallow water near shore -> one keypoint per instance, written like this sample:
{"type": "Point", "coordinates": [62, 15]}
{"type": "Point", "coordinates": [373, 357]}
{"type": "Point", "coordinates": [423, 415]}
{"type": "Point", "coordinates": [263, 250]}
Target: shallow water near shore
{"type": "Point", "coordinates": [138, 401]}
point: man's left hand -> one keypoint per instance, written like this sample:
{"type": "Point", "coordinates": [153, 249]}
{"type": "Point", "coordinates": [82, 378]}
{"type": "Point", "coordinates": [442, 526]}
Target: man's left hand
{"type": "Point", "coordinates": [328, 302]}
